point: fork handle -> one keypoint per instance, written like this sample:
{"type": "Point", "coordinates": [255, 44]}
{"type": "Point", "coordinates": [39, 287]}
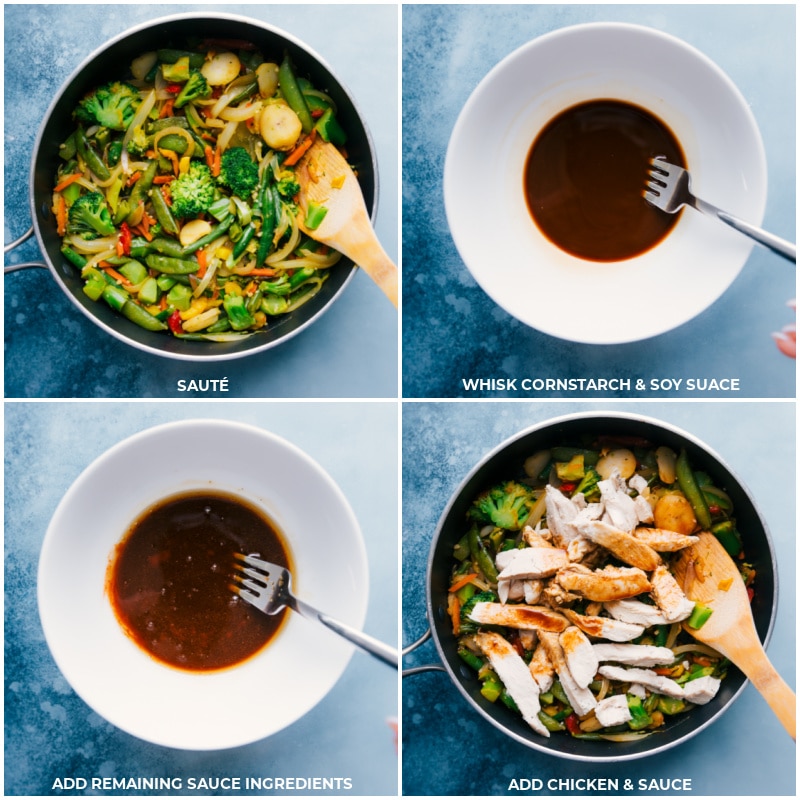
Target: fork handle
{"type": "Point", "coordinates": [362, 640]}
{"type": "Point", "coordinates": [769, 240]}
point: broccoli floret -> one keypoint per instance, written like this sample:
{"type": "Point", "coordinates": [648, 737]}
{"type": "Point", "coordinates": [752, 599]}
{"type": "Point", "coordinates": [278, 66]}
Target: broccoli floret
{"type": "Point", "coordinates": [288, 185]}
{"type": "Point", "coordinates": [193, 192]}
{"type": "Point", "coordinates": [139, 142]}
{"type": "Point", "coordinates": [89, 217]}
{"type": "Point", "coordinates": [195, 88]}
{"type": "Point", "coordinates": [588, 485]}
{"type": "Point", "coordinates": [112, 106]}
{"type": "Point", "coordinates": [507, 506]}
{"type": "Point", "coordinates": [238, 172]}
{"type": "Point", "coordinates": [466, 625]}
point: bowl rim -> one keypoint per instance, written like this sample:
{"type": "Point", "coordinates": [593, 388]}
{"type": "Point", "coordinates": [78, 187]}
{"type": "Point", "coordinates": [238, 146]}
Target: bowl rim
{"type": "Point", "coordinates": [497, 451]}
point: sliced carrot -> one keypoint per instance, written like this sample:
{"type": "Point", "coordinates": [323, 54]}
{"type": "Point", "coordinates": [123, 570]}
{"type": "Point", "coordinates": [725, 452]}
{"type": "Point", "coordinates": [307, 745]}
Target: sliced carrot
{"type": "Point", "coordinates": [61, 215]}
{"type": "Point", "coordinates": [300, 150]}
{"type": "Point", "coordinates": [217, 165]}
{"type": "Point", "coordinates": [263, 272]}
{"type": "Point", "coordinates": [463, 581]}
{"type": "Point", "coordinates": [202, 262]}
{"type": "Point", "coordinates": [133, 178]}
{"type": "Point", "coordinates": [68, 181]}
{"type": "Point", "coordinates": [114, 274]}
{"type": "Point", "coordinates": [454, 607]}
{"type": "Point", "coordinates": [161, 179]}
{"type": "Point", "coordinates": [166, 109]}
{"type": "Point", "coordinates": [209, 154]}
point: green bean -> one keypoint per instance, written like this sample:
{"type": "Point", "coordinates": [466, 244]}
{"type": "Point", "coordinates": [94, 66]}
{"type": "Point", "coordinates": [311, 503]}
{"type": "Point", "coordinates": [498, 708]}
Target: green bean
{"type": "Point", "coordinates": [172, 266]}
{"type": "Point", "coordinates": [209, 237]}
{"type": "Point", "coordinates": [292, 93]}
{"type": "Point", "coordinates": [689, 487]}
{"type": "Point", "coordinates": [243, 241]}
{"type": "Point", "coordinates": [76, 259]}
{"type": "Point", "coordinates": [168, 55]}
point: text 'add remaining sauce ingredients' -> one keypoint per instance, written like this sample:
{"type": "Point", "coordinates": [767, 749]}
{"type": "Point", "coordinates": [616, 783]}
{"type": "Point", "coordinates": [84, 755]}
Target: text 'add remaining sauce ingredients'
{"type": "Point", "coordinates": [585, 176]}
{"type": "Point", "coordinates": [169, 580]}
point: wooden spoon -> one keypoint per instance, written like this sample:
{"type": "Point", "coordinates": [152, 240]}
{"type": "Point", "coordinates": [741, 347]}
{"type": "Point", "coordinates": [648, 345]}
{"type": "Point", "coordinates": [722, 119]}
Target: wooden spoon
{"type": "Point", "coordinates": [326, 179]}
{"type": "Point", "coordinates": [709, 576]}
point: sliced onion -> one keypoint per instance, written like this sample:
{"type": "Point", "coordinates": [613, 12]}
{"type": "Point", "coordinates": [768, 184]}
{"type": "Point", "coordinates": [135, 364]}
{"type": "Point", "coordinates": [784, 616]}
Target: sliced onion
{"type": "Point", "coordinates": [240, 113]}
{"type": "Point", "coordinates": [174, 129]}
{"type": "Point", "coordinates": [224, 139]}
{"type": "Point", "coordinates": [141, 65]}
{"type": "Point", "coordinates": [93, 245]}
{"type": "Point", "coordinates": [145, 107]}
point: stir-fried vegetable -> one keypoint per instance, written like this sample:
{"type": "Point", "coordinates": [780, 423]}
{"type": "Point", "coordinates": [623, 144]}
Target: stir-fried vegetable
{"type": "Point", "coordinates": [176, 196]}
{"type": "Point", "coordinates": [568, 563]}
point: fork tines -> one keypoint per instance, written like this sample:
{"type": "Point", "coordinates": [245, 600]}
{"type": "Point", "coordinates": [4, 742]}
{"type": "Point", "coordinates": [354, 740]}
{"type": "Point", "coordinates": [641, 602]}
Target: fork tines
{"type": "Point", "coordinates": [248, 582]}
{"type": "Point", "coordinates": [661, 173]}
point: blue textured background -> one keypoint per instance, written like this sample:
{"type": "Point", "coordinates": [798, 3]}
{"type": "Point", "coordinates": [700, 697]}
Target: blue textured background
{"type": "Point", "coordinates": [448, 748]}
{"type": "Point", "coordinates": [50, 732]}
{"type": "Point", "coordinates": [52, 350]}
{"type": "Point", "coordinates": [452, 330]}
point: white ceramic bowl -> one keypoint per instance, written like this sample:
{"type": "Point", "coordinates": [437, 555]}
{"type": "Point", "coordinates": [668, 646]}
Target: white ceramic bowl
{"type": "Point", "coordinates": [534, 280]}
{"type": "Point", "coordinates": [172, 707]}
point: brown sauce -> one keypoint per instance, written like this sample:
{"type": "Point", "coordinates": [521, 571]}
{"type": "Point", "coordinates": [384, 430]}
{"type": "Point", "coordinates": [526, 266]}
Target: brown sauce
{"type": "Point", "coordinates": [585, 175]}
{"type": "Point", "coordinates": [169, 581]}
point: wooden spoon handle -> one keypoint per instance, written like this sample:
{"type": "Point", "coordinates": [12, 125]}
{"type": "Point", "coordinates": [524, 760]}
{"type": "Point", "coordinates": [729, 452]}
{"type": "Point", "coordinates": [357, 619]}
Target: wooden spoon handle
{"type": "Point", "coordinates": [773, 688]}
{"type": "Point", "coordinates": [374, 261]}
{"type": "Point", "coordinates": [357, 240]}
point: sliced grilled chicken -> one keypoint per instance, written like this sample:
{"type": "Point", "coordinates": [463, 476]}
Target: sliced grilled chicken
{"type": "Point", "coordinates": [580, 655]}
{"type": "Point", "coordinates": [515, 676]}
{"type": "Point", "coordinates": [624, 546]}
{"type": "Point", "coordinates": [534, 562]}
{"type": "Point", "coordinates": [603, 585]}
{"type": "Point", "coordinates": [581, 699]}
{"type": "Point", "coordinates": [636, 612]}
{"type": "Point", "coordinates": [604, 627]}
{"type": "Point", "coordinates": [669, 596]}
{"type": "Point", "coordinates": [540, 618]}
{"type": "Point", "coordinates": [634, 655]}
{"type": "Point", "coordinates": [662, 540]}
{"type": "Point", "coordinates": [644, 677]}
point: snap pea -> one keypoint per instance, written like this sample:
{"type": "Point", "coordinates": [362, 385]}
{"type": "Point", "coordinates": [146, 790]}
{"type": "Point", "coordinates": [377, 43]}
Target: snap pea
{"type": "Point", "coordinates": [143, 185]}
{"type": "Point", "coordinates": [172, 266]}
{"type": "Point", "coordinates": [142, 317]}
{"type": "Point", "coordinates": [90, 156]}
{"type": "Point", "coordinates": [166, 247]}
{"type": "Point", "coordinates": [480, 556]}
{"type": "Point", "coordinates": [163, 212]}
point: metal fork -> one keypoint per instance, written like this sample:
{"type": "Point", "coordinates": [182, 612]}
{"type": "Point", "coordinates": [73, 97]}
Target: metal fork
{"type": "Point", "coordinates": [268, 587]}
{"type": "Point", "coordinates": [669, 189]}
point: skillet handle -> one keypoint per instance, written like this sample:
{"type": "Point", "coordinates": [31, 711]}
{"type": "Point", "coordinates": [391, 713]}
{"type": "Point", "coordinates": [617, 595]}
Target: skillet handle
{"type": "Point", "coordinates": [425, 667]}
{"type": "Point", "coordinates": [12, 246]}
